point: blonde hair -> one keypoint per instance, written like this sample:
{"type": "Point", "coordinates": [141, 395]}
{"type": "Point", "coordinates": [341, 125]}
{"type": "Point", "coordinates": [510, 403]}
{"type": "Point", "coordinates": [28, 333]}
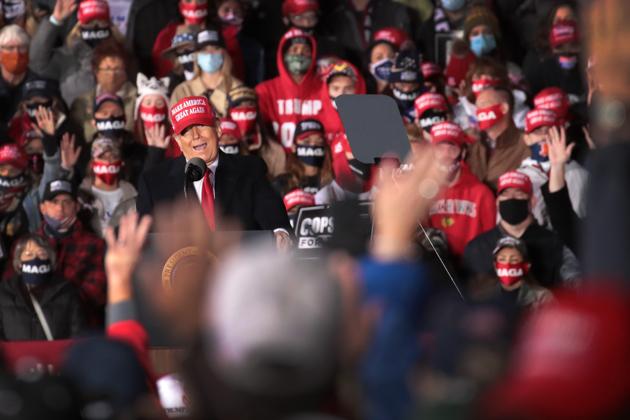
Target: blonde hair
{"type": "Point", "coordinates": [14, 32]}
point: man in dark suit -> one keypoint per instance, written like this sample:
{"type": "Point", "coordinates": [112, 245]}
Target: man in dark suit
{"type": "Point", "coordinates": [234, 186]}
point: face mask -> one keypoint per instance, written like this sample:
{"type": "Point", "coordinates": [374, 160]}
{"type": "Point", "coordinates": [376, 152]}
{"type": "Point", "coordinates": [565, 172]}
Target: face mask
{"type": "Point", "coordinates": [36, 271]}
{"type": "Point", "coordinates": [489, 117]}
{"type": "Point", "coordinates": [482, 44]}
{"type": "Point", "coordinates": [113, 126]}
{"type": "Point", "coordinates": [14, 62]}
{"type": "Point", "coordinates": [567, 62]}
{"type": "Point", "coordinates": [540, 152]}
{"type": "Point", "coordinates": [510, 273]}
{"type": "Point", "coordinates": [107, 172]}
{"type": "Point", "coordinates": [93, 36]}
{"type": "Point", "coordinates": [297, 64]}
{"type": "Point", "coordinates": [382, 69]}
{"type": "Point", "coordinates": [193, 14]}
{"type": "Point", "coordinates": [152, 116]}
{"type": "Point", "coordinates": [210, 62]}
{"type": "Point", "coordinates": [430, 118]}
{"type": "Point", "coordinates": [230, 149]}
{"type": "Point", "coordinates": [188, 64]}
{"type": "Point", "coordinates": [453, 5]}
{"type": "Point", "coordinates": [360, 169]}
{"type": "Point", "coordinates": [406, 99]}
{"type": "Point", "coordinates": [60, 226]}
{"type": "Point", "coordinates": [11, 182]}
{"type": "Point", "coordinates": [31, 109]}
{"type": "Point", "coordinates": [311, 155]}
{"type": "Point", "coordinates": [514, 211]}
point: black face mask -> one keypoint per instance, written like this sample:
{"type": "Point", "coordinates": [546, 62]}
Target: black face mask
{"type": "Point", "coordinates": [514, 211]}
{"type": "Point", "coordinates": [406, 99]}
{"type": "Point", "coordinates": [430, 118]}
{"type": "Point", "coordinates": [360, 169]}
{"type": "Point", "coordinates": [36, 271]}
{"type": "Point", "coordinates": [93, 36]}
{"type": "Point", "coordinates": [31, 109]}
{"type": "Point", "coordinates": [114, 126]}
{"type": "Point", "coordinates": [13, 181]}
{"type": "Point", "coordinates": [231, 149]}
{"type": "Point", "coordinates": [311, 155]}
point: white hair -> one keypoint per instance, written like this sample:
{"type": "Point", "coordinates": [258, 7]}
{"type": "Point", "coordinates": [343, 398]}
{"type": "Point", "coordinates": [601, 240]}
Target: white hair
{"type": "Point", "coordinates": [12, 33]}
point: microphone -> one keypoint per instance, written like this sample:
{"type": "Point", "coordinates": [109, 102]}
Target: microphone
{"type": "Point", "coordinates": [195, 169]}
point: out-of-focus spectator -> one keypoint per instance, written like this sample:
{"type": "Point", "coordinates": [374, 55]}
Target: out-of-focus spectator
{"type": "Point", "coordinates": [513, 268]}
{"type": "Point", "coordinates": [248, 56]}
{"type": "Point", "coordinates": [487, 73]}
{"type": "Point", "coordinates": [466, 207]}
{"type": "Point", "coordinates": [447, 18]}
{"type": "Point", "coordinates": [244, 111]}
{"type": "Point", "coordinates": [193, 17]}
{"type": "Point", "coordinates": [110, 67]}
{"type": "Point", "coordinates": [181, 53]}
{"type": "Point", "coordinates": [230, 139]}
{"type": "Point", "coordinates": [309, 166]}
{"type": "Point", "coordinates": [553, 264]}
{"type": "Point", "coordinates": [71, 63]}
{"type": "Point", "coordinates": [352, 24]}
{"type": "Point", "coordinates": [541, 128]}
{"type": "Point", "coordinates": [108, 196]}
{"type": "Point", "coordinates": [384, 45]}
{"type": "Point", "coordinates": [213, 70]}
{"type": "Point", "coordinates": [501, 147]}
{"type": "Point", "coordinates": [36, 304]}
{"type": "Point", "coordinates": [296, 93]}
{"type": "Point", "coordinates": [80, 253]}
{"type": "Point", "coordinates": [431, 109]}
{"type": "Point", "coordinates": [14, 72]}
{"type": "Point", "coordinates": [406, 83]}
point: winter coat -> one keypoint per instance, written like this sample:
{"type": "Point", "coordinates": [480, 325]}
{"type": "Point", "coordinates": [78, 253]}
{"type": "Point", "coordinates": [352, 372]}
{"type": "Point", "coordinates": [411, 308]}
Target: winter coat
{"type": "Point", "coordinates": [283, 102]}
{"type": "Point", "coordinates": [82, 109]}
{"type": "Point", "coordinates": [60, 304]}
{"type": "Point", "coordinates": [71, 63]}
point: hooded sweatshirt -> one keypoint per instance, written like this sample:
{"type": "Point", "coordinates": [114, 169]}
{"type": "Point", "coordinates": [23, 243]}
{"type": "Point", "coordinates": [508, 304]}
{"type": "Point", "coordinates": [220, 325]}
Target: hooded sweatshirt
{"type": "Point", "coordinates": [283, 102]}
{"type": "Point", "coordinates": [463, 211]}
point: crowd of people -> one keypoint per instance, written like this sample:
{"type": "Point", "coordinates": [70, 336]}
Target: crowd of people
{"type": "Point", "coordinates": [195, 119]}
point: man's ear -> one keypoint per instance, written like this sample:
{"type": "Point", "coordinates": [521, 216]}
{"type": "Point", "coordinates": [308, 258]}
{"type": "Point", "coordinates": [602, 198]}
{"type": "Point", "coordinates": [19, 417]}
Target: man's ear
{"type": "Point", "coordinates": [42, 206]}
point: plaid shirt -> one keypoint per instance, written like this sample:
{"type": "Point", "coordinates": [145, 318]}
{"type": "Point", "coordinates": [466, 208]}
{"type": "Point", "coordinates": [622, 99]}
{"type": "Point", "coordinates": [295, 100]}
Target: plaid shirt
{"type": "Point", "coordinates": [81, 260]}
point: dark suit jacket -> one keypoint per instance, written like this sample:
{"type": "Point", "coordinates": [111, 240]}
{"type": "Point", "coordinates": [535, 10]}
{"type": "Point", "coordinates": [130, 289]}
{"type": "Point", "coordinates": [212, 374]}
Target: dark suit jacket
{"type": "Point", "coordinates": [242, 191]}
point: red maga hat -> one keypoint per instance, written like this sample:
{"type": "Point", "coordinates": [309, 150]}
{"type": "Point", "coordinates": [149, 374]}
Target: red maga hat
{"type": "Point", "coordinates": [90, 10]}
{"type": "Point", "coordinates": [514, 179]}
{"type": "Point", "coordinates": [540, 118]}
{"type": "Point", "coordinates": [192, 110]}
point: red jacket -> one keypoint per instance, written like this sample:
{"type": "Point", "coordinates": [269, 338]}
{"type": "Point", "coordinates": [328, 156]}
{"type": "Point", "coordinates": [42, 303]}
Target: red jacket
{"type": "Point", "coordinates": [161, 65]}
{"type": "Point", "coordinates": [283, 102]}
{"type": "Point", "coordinates": [463, 211]}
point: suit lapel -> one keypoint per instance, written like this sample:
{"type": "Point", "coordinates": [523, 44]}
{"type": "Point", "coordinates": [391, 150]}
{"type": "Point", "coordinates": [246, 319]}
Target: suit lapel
{"type": "Point", "coordinates": [226, 180]}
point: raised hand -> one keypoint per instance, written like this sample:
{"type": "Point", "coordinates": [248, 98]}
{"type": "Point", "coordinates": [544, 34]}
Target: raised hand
{"type": "Point", "coordinates": [123, 254]}
{"type": "Point", "coordinates": [559, 152]}
{"type": "Point", "coordinates": [69, 155]}
{"type": "Point", "coordinates": [402, 200]}
{"type": "Point", "coordinates": [45, 120]}
{"type": "Point", "coordinates": [63, 9]}
{"type": "Point", "coordinates": [156, 136]}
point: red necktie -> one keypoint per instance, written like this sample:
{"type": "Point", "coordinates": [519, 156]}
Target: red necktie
{"type": "Point", "coordinates": [207, 200]}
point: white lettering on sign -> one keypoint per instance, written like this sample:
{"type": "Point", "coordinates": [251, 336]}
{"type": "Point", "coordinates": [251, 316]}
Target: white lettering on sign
{"type": "Point", "coordinates": [317, 226]}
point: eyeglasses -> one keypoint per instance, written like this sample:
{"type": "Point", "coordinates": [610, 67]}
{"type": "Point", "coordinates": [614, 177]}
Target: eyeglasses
{"type": "Point", "coordinates": [19, 48]}
{"type": "Point", "coordinates": [116, 70]}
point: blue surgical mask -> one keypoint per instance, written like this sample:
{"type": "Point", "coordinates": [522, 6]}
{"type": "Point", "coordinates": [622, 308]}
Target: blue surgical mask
{"type": "Point", "coordinates": [381, 69]}
{"type": "Point", "coordinates": [453, 5]}
{"type": "Point", "coordinates": [537, 152]}
{"type": "Point", "coordinates": [482, 44]}
{"type": "Point", "coordinates": [210, 62]}
{"type": "Point", "coordinates": [36, 271]}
